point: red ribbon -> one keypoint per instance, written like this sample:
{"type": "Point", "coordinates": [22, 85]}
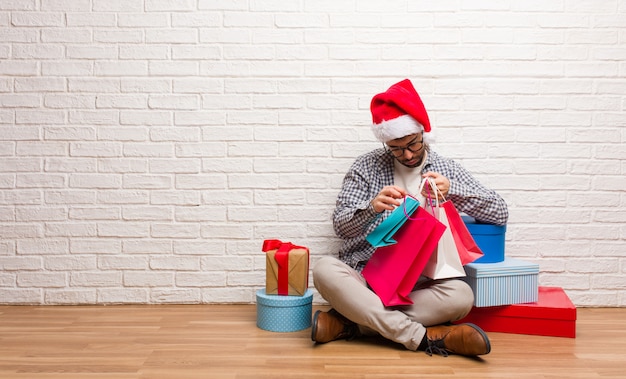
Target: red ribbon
{"type": "Point", "coordinates": [282, 259]}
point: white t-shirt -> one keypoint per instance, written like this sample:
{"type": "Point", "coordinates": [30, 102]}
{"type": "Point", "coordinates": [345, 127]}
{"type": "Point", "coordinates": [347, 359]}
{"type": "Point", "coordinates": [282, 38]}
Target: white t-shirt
{"type": "Point", "coordinates": [409, 178]}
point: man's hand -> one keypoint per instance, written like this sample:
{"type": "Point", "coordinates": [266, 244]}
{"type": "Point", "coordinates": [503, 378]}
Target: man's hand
{"type": "Point", "coordinates": [442, 183]}
{"type": "Point", "coordinates": [387, 199]}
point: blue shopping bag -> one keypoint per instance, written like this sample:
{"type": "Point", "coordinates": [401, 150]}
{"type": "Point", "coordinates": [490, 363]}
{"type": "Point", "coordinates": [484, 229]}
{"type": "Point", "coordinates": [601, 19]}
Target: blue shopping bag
{"type": "Point", "coordinates": [383, 233]}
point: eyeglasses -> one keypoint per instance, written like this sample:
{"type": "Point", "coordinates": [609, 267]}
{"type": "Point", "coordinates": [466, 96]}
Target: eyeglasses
{"type": "Point", "coordinates": [412, 147]}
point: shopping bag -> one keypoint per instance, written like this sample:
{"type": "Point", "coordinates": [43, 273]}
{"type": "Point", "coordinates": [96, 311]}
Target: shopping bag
{"type": "Point", "coordinates": [383, 233]}
{"type": "Point", "coordinates": [286, 268]}
{"type": "Point", "coordinates": [445, 261]}
{"type": "Point", "coordinates": [393, 270]}
{"type": "Point", "coordinates": [466, 246]}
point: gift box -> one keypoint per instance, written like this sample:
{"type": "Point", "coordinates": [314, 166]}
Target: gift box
{"type": "Point", "coordinates": [489, 238]}
{"type": "Point", "coordinates": [552, 315]}
{"type": "Point", "coordinates": [283, 313]}
{"type": "Point", "coordinates": [512, 281]}
{"type": "Point", "coordinates": [286, 268]}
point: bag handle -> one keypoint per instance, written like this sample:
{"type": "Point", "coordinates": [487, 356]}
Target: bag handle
{"type": "Point", "coordinates": [430, 182]}
{"type": "Point", "coordinates": [404, 206]}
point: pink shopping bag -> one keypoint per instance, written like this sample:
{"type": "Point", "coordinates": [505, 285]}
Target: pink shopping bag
{"type": "Point", "coordinates": [393, 270]}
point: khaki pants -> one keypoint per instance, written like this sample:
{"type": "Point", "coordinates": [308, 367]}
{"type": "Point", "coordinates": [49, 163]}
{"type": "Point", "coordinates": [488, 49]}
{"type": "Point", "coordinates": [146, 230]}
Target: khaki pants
{"type": "Point", "coordinates": [434, 302]}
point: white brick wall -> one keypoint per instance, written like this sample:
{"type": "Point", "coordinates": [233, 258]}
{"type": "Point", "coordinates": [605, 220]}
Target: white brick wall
{"type": "Point", "coordinates": [147, 147]}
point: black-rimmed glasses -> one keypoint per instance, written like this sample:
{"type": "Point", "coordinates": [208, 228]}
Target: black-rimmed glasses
{"type": "Point", "coordinates": [414, 146]}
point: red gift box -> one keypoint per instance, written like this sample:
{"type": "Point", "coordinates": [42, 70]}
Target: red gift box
{"type": "Point", "coordinates": [553, 314]}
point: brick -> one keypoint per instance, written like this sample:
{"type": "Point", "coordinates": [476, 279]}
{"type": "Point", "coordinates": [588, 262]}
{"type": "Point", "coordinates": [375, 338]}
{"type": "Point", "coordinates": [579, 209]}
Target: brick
{"type": "Point", "coordinates": [122, 296]}
{"type": "Point", "coordinates": [199, 182]}
{"type": "Point", "coordinates": [91, 19]}
{"type": "Point", "coordinates": [30, 214]}
{"type": "Point", "coordinates": [147, 118]}
{"type": "Point", "coordinates": [20, 263]}
{"type": "Point", "coordinates": [151, 213]}
{"type": "Point", "coordinates": [93, 85]}
{"type": "Point", "coordinates": [121, 68]}
{"type": "Point", "coordinates": [143, 52]}
{"type": "Point", "coordinates": [196, 19]}
{"type": "Point", "coordinates": [95, 181]}
{"type": "Point", "coordinates": [177, 68]}
{"type": "Point", "coordinates": [22, 296]}
{"type": "Point", "coordinates": [42, 279]}
{"type": "Point", "coordinates": [94, 213]}
{"type": "Point", "coordinates": [123, 230]}
{"type": "Point", "coordinates": [176, 296]}
{"type": "Point", "coordinates": [94, 246]}
{"type": "Point", "coordinates": [151, 247]}
{"type": "Point", "coordinates": [42, 247]}
{"type": "Point", "coordinates": [122, 263]}
{"type": "Point", "coordinates": [48, 149]}
{"type": "Point", "coordinates": [227, 294]}
{"type": "Point", "coordinates": [89, 117]}
{"type": "Point", "coordinates": [175, 102]}
{"type": "Point", "coordinates": [70, 196]}
{"type": "Point", "coordinates": [7, 181]}
{"type": "Point", "coordinates": [40, 181]}
{"type": "Point", "coordinates": [65, 229]}
{"type": "Point", "coordinates": [95, 279]}
{"type": "Point", "coordinates": [57, 263]}
{"type": "Point", "coordinates": [20, 197]}
{"type": "Point", "coordinates": [69, 297]}
{"type": "Point", "coordinates": [20, 164]}
{"type": "Point", "coordinates": [196, 52]}
{"type": "Point", "coordinates": [148, 279]}
{"type": "Point", "coordinates": [199, 118]}
{"type": "Point", "coordinates": [70, 101]}
{"type": "Point", "coordinates": [147, 182]}
{"type": "Point", "coordinates": [143, 20]}
{"type": "Point", "coordinates": [66, 35]}
{"type": "Point", "coordinates": [176, 263]}
{"type": "Point", "coordinates": [178, 197]}
{"type": "Point", "coordinates": [192, 279]}
{"type": "Point", "coordinates": [37, 52]}
{"type": "Point", "coordinates": [118, 5]}
{"type": "Point", "coordinates": [171, 230]}
{"type": "Point", "coordinates": [37, 19]}
{"type": "Point", "coordinates": [226, 165]}
{"type": "Point", "coordinates": [199, 214]}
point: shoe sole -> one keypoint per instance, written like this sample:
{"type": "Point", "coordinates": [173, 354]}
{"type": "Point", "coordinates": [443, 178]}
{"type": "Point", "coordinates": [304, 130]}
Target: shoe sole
{"type": "Point", "coordinates": [314, 326]}
{"type": "Point", "coordinates": [483, 334]}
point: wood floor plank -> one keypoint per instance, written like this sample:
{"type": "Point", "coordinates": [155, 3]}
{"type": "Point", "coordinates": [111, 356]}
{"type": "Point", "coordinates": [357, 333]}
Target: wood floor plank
{"type": "Point", "coordinates": [222, 341]}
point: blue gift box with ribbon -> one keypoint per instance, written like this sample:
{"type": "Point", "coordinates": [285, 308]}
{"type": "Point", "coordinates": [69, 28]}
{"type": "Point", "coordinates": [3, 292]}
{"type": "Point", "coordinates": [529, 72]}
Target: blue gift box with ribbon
{"type": "Point", "coordinates": [278, 313]}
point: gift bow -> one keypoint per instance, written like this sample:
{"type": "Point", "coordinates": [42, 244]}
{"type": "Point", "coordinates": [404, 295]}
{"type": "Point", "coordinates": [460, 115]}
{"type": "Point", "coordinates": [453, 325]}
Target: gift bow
{"type": "Point", "coordinates": [282, 259]}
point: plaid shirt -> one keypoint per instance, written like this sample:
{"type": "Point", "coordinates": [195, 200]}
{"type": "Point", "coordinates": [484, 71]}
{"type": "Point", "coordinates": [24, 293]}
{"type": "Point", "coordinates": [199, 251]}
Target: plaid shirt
{"type": "Point", "coordinates": [354, 217]}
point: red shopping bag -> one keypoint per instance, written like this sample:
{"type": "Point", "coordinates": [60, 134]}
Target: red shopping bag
{"type": "Point", "coordinates": [465, 244]}
{"type": "Point", "coordinates": [393, 270]}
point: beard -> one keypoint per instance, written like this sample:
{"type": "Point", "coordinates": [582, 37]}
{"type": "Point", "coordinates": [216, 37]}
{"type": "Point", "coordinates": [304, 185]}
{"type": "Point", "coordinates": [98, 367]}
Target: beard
{"type": "Point", "coordinates": [415, 161]}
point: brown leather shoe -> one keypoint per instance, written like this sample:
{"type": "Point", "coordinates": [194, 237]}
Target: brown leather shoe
{"type": "Point", "coordinates": [331, 326]}
{"type": "Point", "coordinates": [463, 339]}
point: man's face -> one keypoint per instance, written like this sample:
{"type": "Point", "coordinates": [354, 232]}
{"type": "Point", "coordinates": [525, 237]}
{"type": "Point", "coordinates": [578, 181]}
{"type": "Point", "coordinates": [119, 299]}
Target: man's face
{"type": "Point", "coordinates": [408, 150]}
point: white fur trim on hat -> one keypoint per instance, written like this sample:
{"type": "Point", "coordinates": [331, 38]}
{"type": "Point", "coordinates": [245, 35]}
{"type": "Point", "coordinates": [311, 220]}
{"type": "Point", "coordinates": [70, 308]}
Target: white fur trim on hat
{"type": "Point", "coordinates": [396, 128]}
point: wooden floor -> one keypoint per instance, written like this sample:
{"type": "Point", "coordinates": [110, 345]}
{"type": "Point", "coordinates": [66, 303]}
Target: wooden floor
{"type": "Point", "coordinates": [222, 341]}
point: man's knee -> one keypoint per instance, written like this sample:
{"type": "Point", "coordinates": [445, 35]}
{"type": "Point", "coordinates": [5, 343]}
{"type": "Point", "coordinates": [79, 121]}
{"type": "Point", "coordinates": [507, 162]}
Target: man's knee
{"type": "Point", "coordinates": [323, 267]}
{"type": "Point", "coordinates": [464, 298]}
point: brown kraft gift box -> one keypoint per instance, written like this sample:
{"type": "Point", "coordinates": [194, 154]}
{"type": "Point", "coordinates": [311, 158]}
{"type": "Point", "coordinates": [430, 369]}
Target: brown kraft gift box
{"type": "Point", "coordinates": [287, 268]}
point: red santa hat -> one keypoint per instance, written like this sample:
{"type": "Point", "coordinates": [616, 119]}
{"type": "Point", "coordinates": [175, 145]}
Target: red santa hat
{"type": "Point", "coordinates": [398, 112]}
